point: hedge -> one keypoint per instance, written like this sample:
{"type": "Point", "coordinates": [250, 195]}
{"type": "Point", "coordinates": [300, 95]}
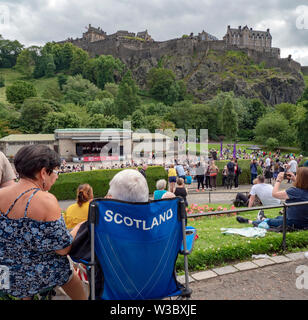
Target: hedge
{"type": "Point", "coordinates": [66, 186]}
{"type": "Point", "coordinates": [244, 177]}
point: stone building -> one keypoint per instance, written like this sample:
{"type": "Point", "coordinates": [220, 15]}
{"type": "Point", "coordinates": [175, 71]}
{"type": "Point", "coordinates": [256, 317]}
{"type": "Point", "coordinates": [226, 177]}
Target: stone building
{"type": "Point", "coordinates": [94, 34]}
{"type": "Point", "coordinates": [204, 36]}
{"type": "Point", "coordinates": [249, 38]}
{"type": "Point", "coordinates": [144, 35]}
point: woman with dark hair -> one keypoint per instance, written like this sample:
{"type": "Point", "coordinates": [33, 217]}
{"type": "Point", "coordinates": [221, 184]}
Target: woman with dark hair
{"type": "Point", "coordinates": [34, 241]}
{"type": "Point", "coordinates": [78, 212]}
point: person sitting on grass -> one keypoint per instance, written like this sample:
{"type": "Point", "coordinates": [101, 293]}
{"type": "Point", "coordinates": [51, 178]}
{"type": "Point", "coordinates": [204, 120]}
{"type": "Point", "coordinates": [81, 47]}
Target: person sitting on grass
{"type": "Point", "coordinates": [297, 216]}
{"type": "Point", "coordinates": [78, 212]}
{"type": "Point", "coordinates": [160, 186]}
{"type": "Point", "coordinates": [260, 194]}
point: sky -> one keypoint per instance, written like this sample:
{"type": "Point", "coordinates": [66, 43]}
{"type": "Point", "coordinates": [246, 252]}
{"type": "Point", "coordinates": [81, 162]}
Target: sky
{"type": "Point", "coordinates": [35, 22]}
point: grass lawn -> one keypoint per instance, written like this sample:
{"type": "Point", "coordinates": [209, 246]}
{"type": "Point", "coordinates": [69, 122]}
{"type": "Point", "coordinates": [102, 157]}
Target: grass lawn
{"type": "Point", "coordinates": [212, 248]}
{"type": "Point", "coordinates": [11, 75]}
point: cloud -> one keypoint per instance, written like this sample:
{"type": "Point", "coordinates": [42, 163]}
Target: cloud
{"type": "Point", "coordinates": [40, 21]}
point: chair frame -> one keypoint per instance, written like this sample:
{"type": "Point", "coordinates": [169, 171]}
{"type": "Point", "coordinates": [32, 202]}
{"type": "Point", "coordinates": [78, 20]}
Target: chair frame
{"type": "Point", "coordinates": [93, 214]}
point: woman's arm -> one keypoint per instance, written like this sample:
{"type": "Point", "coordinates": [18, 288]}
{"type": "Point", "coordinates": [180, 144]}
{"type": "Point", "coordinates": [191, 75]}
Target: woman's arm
{"type": "Point", "coordinates": [282, 195]}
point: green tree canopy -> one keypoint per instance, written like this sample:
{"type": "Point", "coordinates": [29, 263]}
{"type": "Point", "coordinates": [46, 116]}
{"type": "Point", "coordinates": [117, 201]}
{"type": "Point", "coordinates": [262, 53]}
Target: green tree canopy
{"type": "Point", "coordinates": [61, 120]}
{"type": "Point", "coordinates": [229, 120]}
{"type": "Point", "coordinates": [25, 63]}
{"type": "Point", "coordinates": [34, 112]}
{"type": "Point", "coordinates": [163, 86]}
{"type": "Point", "coordinates": [17, 92]}
{"type": "Point", "coordinates": [79, 90]}
{"type": "Point", "coordinates": [127, 99]}
{"type": "Point", "coordinates": [9, 51]}
{"type": "Point", "coordinates": [274, 125]}
{"type": "Point", "coordinates": [105, 106]}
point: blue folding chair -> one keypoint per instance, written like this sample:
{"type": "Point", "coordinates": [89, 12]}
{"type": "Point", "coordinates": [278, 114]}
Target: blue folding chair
{"type": "Point", "coordinates": [136, 246]}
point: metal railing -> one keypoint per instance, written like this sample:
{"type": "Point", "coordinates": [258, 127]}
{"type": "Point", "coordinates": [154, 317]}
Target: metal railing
{"type": "Point", "coordinates": [284, 206]}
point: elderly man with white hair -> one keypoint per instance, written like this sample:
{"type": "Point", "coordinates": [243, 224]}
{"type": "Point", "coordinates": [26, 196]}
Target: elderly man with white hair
{"type": "Point", "coordinates": [129, 185]}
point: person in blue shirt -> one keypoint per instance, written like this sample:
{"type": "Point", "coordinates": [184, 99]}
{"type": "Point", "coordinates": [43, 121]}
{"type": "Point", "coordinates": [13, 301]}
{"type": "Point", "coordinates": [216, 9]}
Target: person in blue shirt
{"type": "Point", "coordinates": [161, 189]}
{"type": "Point", "coordinates": [253, 170]}
{"type": "Point", "coordinates": [180, 171]}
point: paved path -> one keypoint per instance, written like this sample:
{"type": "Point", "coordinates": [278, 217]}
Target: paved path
{"type": "Point", "coordinates": [202, 197]}
{"type": "Point", "coordinates": [274, 278]}
{"type": "Point", "coordinates": [276, 282]}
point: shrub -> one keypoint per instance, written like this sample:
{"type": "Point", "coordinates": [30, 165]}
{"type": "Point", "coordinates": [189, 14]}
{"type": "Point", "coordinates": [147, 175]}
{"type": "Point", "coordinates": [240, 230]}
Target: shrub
{"type": "Point", "coordinates": [67, 184]}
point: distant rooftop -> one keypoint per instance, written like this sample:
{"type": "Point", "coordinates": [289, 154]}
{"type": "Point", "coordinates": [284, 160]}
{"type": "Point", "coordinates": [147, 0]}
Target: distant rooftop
{"type": "Point", "coordinates": [28, 137]}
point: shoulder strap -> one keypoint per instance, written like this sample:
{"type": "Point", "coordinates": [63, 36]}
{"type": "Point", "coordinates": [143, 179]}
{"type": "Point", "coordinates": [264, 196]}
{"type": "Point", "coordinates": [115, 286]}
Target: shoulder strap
{"type": "Point", "coordinates": [28, 202]}
{"type": "Point", "coordinates": [13, 204]}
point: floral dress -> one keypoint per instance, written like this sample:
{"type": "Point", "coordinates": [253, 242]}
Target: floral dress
{"type": "Point", "coordinates": [28, 261]}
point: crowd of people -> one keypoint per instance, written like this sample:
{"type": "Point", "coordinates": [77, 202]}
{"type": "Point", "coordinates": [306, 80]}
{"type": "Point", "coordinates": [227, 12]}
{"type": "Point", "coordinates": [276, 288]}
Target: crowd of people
{"type": "Point", "coordinates": [36, 239]}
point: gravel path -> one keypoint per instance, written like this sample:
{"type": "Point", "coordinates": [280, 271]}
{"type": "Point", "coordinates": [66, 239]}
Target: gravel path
{"type": "Point", "coordinates": [277, 282]}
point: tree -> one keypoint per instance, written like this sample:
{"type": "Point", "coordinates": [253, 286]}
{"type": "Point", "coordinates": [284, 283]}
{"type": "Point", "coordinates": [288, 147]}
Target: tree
{"type": "Point", "coordinates": [102, 121]}
{"type": "Point", "coordinates": [62, 79]}
{"type": "Point", "coordinates": [102, 70]}
{"type": "Point", "coordinates": [138, 120]}
{"type": "Point", "coordinates": [52, 92]}
{"type": "Point", "coordinates": [272, 143]}
{"type": "Point", "coordinates": [127, 98]}
{"type": "Point", "coordinates": [9, 51]}
{"type": "Point", "coordinates": [79, 90]}
{"type": "Point", "coordinates": [274, 125]}
{"type": "Point", "coordinates": [105, 106]}
{"type": "Point", "coordinates": [163, 86]}
{"type": "Point", "coordinates": [302, 130]}
{"type": "Point", "coordinates": [61, 120]}
{"type": "Point", "coordinates": [79, 57]}
{"type": "Point", "coordinates": [34, 112]}
{"type": "Point", "coordinates": [19, 91]}
{"type": "Point", "coordinates": [45, 66]}
{"type": "Point", "coordinates": [112, 88]}
{"type": "Point", "coordinates": [229, 120]}
{"type": "Point", "coordinates": [25, 63]}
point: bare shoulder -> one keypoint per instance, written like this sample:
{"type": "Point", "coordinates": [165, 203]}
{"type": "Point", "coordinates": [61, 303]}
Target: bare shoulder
{"type": "Point", "coordinates": [46, 207]}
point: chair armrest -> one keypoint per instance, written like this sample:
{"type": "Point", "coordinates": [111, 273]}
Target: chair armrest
{"type": "Point", "coordinates": [190, 239]}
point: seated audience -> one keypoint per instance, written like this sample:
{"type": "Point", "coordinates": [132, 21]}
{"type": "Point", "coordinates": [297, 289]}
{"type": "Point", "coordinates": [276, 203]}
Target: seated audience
{"type": "Point", "coordinates": [34, 241]}
{"type": "Point", "coordinates": [160, 186]}
{"type": "Point", "coordinates": [78, 212]}
{"type": "Point", "coordinates": [168, 195]}
{"type": "Point", "coordinates": [181, 190]}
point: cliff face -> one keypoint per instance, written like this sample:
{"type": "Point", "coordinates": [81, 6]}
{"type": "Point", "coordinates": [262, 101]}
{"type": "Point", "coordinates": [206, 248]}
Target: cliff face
{"type": "Point", "coordinates": [206, 73]}
{"type": "Point", "coordinates": [210, 66]}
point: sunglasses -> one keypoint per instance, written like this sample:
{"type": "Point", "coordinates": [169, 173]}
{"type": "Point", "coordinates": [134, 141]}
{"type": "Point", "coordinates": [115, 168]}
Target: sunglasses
{"type": "Point", "coordinates": [56, 172]}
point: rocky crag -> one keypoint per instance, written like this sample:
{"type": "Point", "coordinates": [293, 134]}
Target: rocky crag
{"type": "Point", "coordinates": [210, 66]}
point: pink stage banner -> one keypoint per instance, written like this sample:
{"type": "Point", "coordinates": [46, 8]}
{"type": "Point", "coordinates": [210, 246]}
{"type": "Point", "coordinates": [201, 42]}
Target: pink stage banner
{"type": "Point", "coordinates": [95, 159]}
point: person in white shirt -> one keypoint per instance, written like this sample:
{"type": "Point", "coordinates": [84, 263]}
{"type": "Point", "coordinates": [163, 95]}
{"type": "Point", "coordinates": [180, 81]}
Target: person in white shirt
{"type": "Point", "coordinates": [292, 166]}
{"type": "Point", "coordinates": [268, 162]}
{"type": "Point", "coordinates": [264, 193]}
